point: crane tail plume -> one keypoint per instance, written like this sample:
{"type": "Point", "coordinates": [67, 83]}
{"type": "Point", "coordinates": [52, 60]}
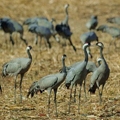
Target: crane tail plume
{"type": "Point", "coordinates": [93, 89]}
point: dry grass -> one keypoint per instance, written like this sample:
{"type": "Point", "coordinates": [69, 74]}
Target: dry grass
{"type": "Point", "coordinates": [46, 62]}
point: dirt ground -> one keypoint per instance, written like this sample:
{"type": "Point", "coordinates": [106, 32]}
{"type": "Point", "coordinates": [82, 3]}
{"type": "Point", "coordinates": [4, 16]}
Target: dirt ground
{"type": "Point", "coordinates": [48, 61]}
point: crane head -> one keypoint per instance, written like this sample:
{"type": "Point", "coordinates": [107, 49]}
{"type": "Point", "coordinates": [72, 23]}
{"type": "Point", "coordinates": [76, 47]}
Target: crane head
{"type": "Point", "coordinates": [66, 6]}
{"type": "Point", "coordinates": [94, 16]}
{"type": "Point", "coordinates": [29, 47]}
{"type": "Point", "coordinates": [34, 88]}
{"type": "Point", "coordinates": [100, 44]}
{"type": "Point", "coordinates": [86, 45]}
{"type": "Point", "coordinates": [64, 56]}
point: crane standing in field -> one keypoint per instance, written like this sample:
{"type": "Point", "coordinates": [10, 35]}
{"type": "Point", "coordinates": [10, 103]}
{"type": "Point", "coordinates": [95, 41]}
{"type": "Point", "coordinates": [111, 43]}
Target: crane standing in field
{"type": "Point", "coordinates": [100, 75]}
{"type": "Point", "coordinates": [44, 23]}
{"type": "Point", "coordinates": [90, 67]}
{"type": "Point", "coordinates": [48, 83]}
{"type": "Point", "coordinates": [17, 66]}
{"type": "Point", "coordinates": [63, 29]}
{"type": "Point", "coordinates": [115, 20]}
{"type": "Point", "coordinates": [113, 31]}
{"type": "Point", "coordinates": [34, 20]}
{"type": "Point", "coordinates": [88, 37]}
{"type": "Point", "coordinates": [92, 23]}
{"type": "Point", "coordinates": [9, 26]}
{"type": "Point", "coordinates": [76, 75]}
{"type": "Point", "coordinates": [41, 31]}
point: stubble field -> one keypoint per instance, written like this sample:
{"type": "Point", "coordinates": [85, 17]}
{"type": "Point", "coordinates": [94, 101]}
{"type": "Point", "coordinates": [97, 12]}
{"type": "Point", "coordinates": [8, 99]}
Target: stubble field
{"type": "Point", "coordinates": [48, 61]}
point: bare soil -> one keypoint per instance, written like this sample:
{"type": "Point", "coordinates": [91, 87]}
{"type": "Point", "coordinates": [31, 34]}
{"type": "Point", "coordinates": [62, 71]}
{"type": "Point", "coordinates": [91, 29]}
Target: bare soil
{"type": "Point", "coordinates": [47, 61]}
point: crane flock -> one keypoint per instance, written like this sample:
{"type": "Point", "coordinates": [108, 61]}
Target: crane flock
{"type": "Point", "coordinates": [70, 76]}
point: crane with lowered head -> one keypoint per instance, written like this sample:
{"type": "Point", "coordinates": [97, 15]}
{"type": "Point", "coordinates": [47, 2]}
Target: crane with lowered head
{"type": "Point", "coordinates": [49, 83]}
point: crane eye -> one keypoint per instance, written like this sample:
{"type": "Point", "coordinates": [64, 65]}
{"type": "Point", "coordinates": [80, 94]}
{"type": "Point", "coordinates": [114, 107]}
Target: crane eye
{"type": "Point", "coordinates": [37, 87]}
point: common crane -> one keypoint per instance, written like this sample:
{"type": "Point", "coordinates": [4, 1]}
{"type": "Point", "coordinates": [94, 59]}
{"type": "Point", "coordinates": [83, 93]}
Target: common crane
{"type": "Point", "coordinates": [17, 66]}
{"type": "Point", "coordinates": [34, 20]}
{"type": "Point", "coordinates": [88, 37]}
{"type": "Point", "coordinates": [9, 26]}
{"type": "Point", "coordinates": [63, 29]}
{"type": "Point", "coordinates": [76, 75]}
{"type": "Point", "coordinates": [100, 75]}
{"type": "Point", "coordinates": [114, 20]}
{"type": "Point", "coordinates": [44, 22]}
{"type": "Point", "coordinates": [92, 23]}
{"type": "Point", "coordinates": [113, 31]}
{"type": "Point", "coordinates": [48, 83]}
{"type": "Point", "coordinates": [41, 31]}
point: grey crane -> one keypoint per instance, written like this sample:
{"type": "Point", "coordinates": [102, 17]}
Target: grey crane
{"type": "Point", "coordinates": [90, 67]}
{"type": "Point", "coordinates": [113, 20]}
{"type": "Point", "coordinates": [48, 83]}
{"type": "Point", "coordinates": [76, 75]}
{"type": "Point", "coordinates": [9, 26]}
{"type": "Point", "coordinates": [17, 66]}
{"type": "Point", "coordinates": [42, 21]}
{"type": "Point", "coordinates": [113, 31]}
{"type": "Point", "coordinates": [41, 31]}
{"type": "Point", "coordinates": [63, 29]}
{"type": "Point", "coordinates": [88, 37]}
{"type": "Point", "coordinates": [34, 20]}
{"type": "Point", "coordinates": [100, 75]}
{"type": "Point", "coordinates": [92, 22]}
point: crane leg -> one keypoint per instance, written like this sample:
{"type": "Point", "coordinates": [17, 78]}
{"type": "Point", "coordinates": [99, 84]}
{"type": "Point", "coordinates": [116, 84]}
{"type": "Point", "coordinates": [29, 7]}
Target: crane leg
{"type": "Point", "coordinates": [100, 92]}
{"type": "Point", "coordinates": [79, 99]}
{"type": "Point", "coordinates": [21, 37]}
{"type": "Point", "coordinates": [100, 96]}
{"type": "Point", "coordinates": [49, 94]}
{"type": "Point", "coordinates": [11, 39]}
{"type": "Point", "coordinates": [21, 87]}
{"type": "Point", "coordinates": [15, 89]}
{"type": "Point", "coordinates": [36, 39]}
{"type": "Point", "coordinates": [70, 98]}
{"type": "Point", "coordinates": [85, 89]}
{"type": "Point", "coordinates": [75, 93]}
{"type": "Point", "coordinates": [40, 42]}
{"type": "Point", "coordinates": [0, 89]}
{"type": "Point", "coordinates": [55, 102]}
{"type": "Point", "coordinates": [56, 38]}
{"type": "Point", "coordinates": [48, 42]}
{"type": "Point", "coordinates": [74, 48]}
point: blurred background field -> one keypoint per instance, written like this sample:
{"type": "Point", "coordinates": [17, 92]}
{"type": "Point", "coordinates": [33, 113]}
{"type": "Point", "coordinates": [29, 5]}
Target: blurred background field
{"type": "Point", "coordinates": [49, 61]}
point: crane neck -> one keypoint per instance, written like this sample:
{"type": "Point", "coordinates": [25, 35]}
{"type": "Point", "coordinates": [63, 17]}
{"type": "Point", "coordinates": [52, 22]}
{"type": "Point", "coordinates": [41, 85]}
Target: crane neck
{"type": "Point", "coordinates": [64, 66]}
{"type": "Point", "coordinates": [29, 54]}
{"type": "Point", "coordinates": [65, 21]}
{"type": "Point", "coordinates": [101, 53]}
{"type": "Point", "coordinates": [86, 54]}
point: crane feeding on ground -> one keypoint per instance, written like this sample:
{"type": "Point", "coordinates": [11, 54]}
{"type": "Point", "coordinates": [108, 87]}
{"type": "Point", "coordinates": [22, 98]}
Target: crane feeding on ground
{"type": "Point", "coordinates": [49, 83]}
